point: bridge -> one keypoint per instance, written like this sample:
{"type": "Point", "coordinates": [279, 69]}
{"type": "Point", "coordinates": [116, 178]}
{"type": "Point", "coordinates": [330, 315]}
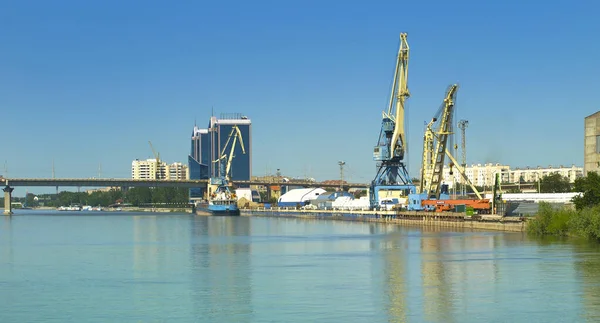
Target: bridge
{"type": "Point", "coordinates": [10, 183]}
{"type": "Point", "coordinates": [126, 182]}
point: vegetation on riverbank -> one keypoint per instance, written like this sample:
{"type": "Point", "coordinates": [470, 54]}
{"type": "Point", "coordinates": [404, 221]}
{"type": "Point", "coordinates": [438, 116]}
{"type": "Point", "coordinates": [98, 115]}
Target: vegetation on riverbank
{"type": "Point", "coordinates": [582, 221]}
{"type": "Point", "coordinates": [136, 196]}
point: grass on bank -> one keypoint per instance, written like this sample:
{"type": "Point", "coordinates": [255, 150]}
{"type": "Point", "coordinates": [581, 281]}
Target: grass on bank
{"type": "Point", "coordinates": [584, 223]}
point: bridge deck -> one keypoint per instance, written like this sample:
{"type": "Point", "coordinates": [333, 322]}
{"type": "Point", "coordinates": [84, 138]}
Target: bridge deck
{"type": "Point", "coordinates": [124, 182]}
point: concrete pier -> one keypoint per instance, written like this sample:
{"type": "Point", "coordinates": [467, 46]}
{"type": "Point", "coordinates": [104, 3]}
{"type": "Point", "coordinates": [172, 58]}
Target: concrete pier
{"type": "Point", "coordinates": [429, 219]}
{"type": "Point", "coordinates": [7, 200]}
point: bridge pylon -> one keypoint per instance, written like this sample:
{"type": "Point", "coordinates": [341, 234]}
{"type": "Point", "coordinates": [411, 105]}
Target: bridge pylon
{"type": "Point", "coordinates": [7, 200]}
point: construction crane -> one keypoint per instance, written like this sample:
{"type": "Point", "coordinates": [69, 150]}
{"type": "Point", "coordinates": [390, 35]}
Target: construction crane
{"type": "Point", "coordinates": [391, 148]}
{"type": "Point", "coordinates": [225, 169]}
{"type": "Point", "coordinates": [157, 164]}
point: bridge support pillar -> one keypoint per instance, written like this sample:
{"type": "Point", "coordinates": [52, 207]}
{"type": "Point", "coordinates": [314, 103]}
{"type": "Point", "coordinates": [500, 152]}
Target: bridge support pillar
{"type": "Point", "coordinates": [7, 200]}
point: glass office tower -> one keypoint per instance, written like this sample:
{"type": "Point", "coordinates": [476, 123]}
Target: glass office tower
{"type": "Point", "coordinates": [208, 145]}
{"type": "Point", "coordinates": [219, 130]}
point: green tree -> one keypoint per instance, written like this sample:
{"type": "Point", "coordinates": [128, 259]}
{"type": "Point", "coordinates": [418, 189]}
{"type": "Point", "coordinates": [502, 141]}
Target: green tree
{"type": "Point", "coordinates": [554, 183]}
{"type": "Point", "coordinates": [514, 190]}
{"type": "Point", "coordinates": [30, 200]}
{"type": "Point", "coordinates": [589, 186]}
{"type": "Point", "coordinates": [359, 194]}
{"type": "Point", "coordinates": [138, 196]}
{"type": "Point", "coordinates": [263, 196]}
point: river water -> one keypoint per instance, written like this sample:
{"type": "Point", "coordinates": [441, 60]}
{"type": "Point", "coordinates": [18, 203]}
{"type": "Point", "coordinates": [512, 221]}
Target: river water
{"type": "Point", "coordinates": [124, 267]}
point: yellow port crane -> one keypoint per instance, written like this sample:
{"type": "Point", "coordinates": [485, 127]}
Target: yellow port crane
{"type": "Point", "coordinates": [236, 134]}
{"type": "Point", "coordinates": [433, 160]}
{"type": "Point", "coordinates": [390, 151]}
{"type": "Point", "coordinates": [435, 149]}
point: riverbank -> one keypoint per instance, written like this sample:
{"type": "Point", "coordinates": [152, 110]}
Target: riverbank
{"type": "Point", "coordinates": [443, 220]}
{"type": "Point", "coordinates": [122, 209]}
{"type": "Point", "coordinates": [584, 223]}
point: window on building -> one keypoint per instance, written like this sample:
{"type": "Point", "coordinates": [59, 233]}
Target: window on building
{"type": "Point", "coordinates": [598, 144]}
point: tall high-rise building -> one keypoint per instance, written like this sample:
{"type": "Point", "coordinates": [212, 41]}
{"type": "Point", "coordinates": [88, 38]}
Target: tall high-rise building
{"type": "Point", "coordinates": [207, 146]}
{"type": "Point", "coordinates": [219, 130]}
{"type": "Point", "coordinates": [198, 161]}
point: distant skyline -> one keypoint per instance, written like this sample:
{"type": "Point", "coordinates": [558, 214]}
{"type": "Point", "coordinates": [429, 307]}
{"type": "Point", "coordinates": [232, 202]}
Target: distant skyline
{"type": "Point", "coordinates": [89, 83]}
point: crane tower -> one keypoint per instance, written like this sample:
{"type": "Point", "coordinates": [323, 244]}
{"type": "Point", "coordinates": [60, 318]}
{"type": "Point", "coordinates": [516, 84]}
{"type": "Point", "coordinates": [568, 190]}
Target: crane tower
{"type": "Point", "coordinates": [391, 148]}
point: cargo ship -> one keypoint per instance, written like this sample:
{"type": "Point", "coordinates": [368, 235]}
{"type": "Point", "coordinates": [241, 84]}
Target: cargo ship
{"type": "Point", "coordinates": [221, 202]}
{"type": "Point", "coordinates": [220, 198]}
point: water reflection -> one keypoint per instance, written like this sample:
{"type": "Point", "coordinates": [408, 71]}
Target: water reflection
{"type": "Point", "coordinates": [201, 269]}
{"type": "Point", "coordinates": [436, 289]}
{"type": "Point", "coordinates": [389, 241]}
{"type": "Point", "coordinates": [588, 267]}
{"type": "Point", "coordinates": [437, 275]}
{"type": "Point", "coordinates": [221, 269]}
{"type": "Point", "coordinates": [6, 243]}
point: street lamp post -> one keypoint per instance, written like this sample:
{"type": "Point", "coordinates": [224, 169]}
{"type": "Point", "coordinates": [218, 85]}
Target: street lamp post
{"type": "Point", "coordinates": [341, 163]}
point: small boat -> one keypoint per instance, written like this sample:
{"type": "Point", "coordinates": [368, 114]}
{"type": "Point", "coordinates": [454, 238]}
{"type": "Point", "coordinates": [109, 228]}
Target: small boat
{"type": "Point", "coordinates": [74, 207]}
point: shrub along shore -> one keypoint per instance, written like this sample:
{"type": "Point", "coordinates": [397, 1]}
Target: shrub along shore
{"type": "Point", "coordinates": [583, 223]}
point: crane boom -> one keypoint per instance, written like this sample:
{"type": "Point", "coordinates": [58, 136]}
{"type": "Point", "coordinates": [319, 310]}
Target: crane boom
{"type": "Point", "coordinates": [427, 162]}
{"type": "Point", "coordinates": [156, 155]}
{"type": "Point", "coordinates": [157, 164]}
{"type": "Point", "coordinates": [235, 133]}
{"type": "Point", "coordinates": [461, 171]}
{"type": "Point", "coordinates": [442, 133]}
{"type": "Point", "coordinates": [400, 93]}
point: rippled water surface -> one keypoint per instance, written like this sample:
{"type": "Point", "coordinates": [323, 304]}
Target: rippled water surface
{"type": "Point", "coordinates": [99, 267]}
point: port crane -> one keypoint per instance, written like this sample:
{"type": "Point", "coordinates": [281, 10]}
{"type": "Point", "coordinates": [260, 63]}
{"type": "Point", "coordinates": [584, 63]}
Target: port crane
{"type": "Point", "coordinates": [225, 168]}
{"type": "Point", "coordinates": [390, 150]}
{"type": "Point", "coordinates": [435, 149]}
{"type": "Point", "coordinates": [434, 194]}
{"type": "Point", "coordinates": [433, 160]}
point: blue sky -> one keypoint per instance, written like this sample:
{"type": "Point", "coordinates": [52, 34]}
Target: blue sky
{"type": "Point", "coordinates": [85, 83]}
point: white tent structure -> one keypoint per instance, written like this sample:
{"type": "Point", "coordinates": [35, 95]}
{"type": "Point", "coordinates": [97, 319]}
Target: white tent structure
{"type": "Point", "coordinates": [299, 196]}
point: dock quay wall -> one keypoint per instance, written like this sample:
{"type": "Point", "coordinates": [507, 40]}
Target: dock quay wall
{"type": "Point", "coordinates": [423, 219]}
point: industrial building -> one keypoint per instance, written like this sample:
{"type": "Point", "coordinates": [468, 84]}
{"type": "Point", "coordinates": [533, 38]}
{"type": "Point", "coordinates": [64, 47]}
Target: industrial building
{"type": "Point", "coordinates": [591, 158]}
{"type": "Point", "coordinates": [207, 147]}
{"type": "Point", "coordinates": [156, 169]}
